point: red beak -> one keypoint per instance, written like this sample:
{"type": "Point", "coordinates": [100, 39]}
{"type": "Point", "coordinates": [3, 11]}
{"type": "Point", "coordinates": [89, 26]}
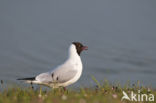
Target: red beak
{"type": "Point", "coordinates": [84, 48]}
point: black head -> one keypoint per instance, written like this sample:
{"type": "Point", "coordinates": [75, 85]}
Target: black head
{"type": "Point", "coordinates": [80, 47]}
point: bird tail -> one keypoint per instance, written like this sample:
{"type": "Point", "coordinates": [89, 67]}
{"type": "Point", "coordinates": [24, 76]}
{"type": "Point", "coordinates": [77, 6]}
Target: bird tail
{"type": "Point", "coordinates": [31, 78]}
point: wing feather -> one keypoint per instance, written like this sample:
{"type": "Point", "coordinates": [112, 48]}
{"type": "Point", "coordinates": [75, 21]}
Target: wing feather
{"type": "Point", "coordinates": [61, 74]}
{"type": "Point", "coordinates": [44, 77]}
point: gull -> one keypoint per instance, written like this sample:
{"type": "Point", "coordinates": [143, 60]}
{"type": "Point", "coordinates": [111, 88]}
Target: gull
{"type": "Point", "coordinates": [65, 74]}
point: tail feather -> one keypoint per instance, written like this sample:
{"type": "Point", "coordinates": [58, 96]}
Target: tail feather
{"type": "Point", "coordinates": [31, 78]}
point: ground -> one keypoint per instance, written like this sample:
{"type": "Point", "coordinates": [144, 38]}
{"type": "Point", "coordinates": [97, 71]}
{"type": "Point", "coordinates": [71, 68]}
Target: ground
{"type": "Point", "coordinates": [101, 93]}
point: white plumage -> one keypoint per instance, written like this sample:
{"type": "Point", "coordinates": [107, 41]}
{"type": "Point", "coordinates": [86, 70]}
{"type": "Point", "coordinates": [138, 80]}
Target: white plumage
{"type": "Point", "coordinates": [63, 75]}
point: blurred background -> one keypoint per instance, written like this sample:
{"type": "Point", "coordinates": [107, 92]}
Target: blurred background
{"type": "Point", "coordinates": [121, 36]}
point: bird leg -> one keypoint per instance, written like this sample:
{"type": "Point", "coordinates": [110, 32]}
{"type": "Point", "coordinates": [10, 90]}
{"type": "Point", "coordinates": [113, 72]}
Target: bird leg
{"type": "Point", "coordinates": [40, 95]}
{"type": "Point", "coordinates": [32, 85]}
{"type": "Point", "coordinates": [64, 88]}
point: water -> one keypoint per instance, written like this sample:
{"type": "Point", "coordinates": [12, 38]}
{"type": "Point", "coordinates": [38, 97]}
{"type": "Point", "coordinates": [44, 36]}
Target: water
{"type": "Point", "coordinates": [121, 36]}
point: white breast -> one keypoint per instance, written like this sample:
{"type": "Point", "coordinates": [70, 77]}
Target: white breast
{"type": "Point", "coordinates": [75, 60]}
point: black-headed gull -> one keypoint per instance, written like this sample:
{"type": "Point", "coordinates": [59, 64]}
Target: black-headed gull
{"type": "Point", "coordinates": [63, 75]}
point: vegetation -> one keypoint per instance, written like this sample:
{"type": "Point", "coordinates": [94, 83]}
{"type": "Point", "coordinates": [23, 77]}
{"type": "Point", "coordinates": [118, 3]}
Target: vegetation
{"type": "Point", "coordinates": [105, 93]}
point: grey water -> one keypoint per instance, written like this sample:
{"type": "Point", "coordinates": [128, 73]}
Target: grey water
{"type": "Point", "coordinates": [121, 36]}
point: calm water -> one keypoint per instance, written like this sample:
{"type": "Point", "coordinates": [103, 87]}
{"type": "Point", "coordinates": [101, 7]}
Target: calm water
{"type": "Point", "coordinates": [121, 36]}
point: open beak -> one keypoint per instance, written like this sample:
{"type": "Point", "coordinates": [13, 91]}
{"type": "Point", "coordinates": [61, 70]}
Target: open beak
{"type": "Point", "coordinates": [84, 48]}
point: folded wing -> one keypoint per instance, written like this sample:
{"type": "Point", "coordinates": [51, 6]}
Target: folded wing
{"type": "Point", "coordinates": [59, 75]}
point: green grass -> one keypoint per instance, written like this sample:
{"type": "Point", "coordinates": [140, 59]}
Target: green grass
{"type": "Point", "coordinates": [102, 93]}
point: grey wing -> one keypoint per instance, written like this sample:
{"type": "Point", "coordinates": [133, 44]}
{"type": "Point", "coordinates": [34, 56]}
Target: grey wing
{"type": "Point", "coordinates": [44, 77]}
{"type": "Point", "coordinates": [61, 77]}
{"type": "Point", "coordinates": [63, 74]}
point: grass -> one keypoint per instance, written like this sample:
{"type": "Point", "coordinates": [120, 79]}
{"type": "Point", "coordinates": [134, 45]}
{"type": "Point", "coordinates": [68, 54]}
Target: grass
{"type": "Point", "coordinates": [102, 93]}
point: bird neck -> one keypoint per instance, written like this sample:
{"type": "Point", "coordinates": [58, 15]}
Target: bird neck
{"type": "Point", "coordinates": [73, 55]}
